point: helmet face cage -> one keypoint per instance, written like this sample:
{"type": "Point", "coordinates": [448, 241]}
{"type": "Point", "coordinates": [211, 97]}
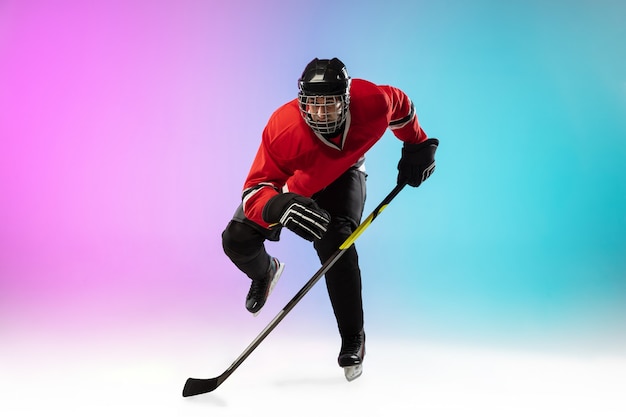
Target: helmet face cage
{"type": "Point", "coordinates": [324, 95]}
{"type": "Point", "coordinates": [324, 114]}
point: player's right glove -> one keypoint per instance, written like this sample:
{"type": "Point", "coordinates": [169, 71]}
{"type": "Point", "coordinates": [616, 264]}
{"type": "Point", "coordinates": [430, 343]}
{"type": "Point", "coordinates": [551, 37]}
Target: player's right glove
{"type": "Point", "coordinates": [299, 214]}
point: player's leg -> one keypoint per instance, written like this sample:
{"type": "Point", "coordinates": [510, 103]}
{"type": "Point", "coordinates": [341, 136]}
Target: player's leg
{"type": "Point", "coordinates": [344, 200]}
{"type": "Point", "coordinates": [243, 243]}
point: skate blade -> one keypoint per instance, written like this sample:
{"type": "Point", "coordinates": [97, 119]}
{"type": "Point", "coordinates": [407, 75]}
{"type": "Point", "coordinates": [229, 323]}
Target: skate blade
{"type": "Point", "coordinates": [353, 372]}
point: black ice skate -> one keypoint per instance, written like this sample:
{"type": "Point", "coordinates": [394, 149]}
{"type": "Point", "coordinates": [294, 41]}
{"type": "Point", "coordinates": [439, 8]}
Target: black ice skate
{"type": "Point", "coordinates": [352, 354]}
{"type": "Point", "coordinates": [260, 289]}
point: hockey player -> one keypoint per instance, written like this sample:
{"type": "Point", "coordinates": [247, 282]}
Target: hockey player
{"type": "Point", "coordinates": [308, 176]}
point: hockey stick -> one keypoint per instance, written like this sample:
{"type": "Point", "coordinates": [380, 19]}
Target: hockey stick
{"type": "Point", "coordinates": [195, 386]}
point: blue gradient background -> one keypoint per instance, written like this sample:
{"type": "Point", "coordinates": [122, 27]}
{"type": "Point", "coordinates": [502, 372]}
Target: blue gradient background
{"type": "Point", "coordinates": [127, 129]}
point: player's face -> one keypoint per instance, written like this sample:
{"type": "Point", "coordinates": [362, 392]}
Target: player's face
{"type": "Point", "coordinates": [324, 108]}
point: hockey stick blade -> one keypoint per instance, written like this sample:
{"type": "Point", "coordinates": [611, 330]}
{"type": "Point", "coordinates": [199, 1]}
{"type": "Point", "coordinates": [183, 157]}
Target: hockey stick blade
{"type": "Point", "coordinates": [195, 386]}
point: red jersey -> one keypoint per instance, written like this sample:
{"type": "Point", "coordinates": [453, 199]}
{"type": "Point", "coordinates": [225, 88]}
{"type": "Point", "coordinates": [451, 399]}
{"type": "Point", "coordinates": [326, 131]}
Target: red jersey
{"type": "Point", "coordinates": [293, 158]}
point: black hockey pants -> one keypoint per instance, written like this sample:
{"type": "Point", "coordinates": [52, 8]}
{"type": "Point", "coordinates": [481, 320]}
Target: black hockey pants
{"type": "Point", "coordinates": [243, 242]}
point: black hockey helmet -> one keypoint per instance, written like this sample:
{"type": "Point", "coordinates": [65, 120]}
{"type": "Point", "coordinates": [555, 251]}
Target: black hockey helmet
{"type": "Point", "coordinates": [324, 77]}
{"type": "Point", "coordinates": [324, 83]}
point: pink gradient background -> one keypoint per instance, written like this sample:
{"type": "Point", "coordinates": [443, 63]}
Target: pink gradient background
{"type": "Point", "coordinates": [123, 146]}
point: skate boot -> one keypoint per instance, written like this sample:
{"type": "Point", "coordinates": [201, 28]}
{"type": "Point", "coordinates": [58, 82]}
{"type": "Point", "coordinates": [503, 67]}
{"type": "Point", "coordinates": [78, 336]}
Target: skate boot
{"type": "Point", "coordinates": [260, 289]}
{"type": "Point", "coordinates": [352, 354]}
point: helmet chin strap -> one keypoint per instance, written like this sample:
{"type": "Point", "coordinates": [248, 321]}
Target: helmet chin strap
{"type": "Point", "coordinates": [336, 133]}
{"type": "Point", "coordinates": [337, 139]}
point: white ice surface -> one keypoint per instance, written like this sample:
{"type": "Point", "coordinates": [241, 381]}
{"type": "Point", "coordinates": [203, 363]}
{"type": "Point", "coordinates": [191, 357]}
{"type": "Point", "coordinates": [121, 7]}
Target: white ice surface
{"type": "Point", "coordinates": [299, 377]}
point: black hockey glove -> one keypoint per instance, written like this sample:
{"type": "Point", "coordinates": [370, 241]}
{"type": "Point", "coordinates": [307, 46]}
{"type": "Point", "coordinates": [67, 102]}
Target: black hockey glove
{"type": "Point", "coordinates": [417, 162]}
{"type": "Point", "coordinates": [299, 214]}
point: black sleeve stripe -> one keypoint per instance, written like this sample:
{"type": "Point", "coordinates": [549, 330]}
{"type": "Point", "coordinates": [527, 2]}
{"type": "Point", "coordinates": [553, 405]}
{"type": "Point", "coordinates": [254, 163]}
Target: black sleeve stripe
{"type": "Point", "coordinates": [248, 192]}
{"type": "Point", "coordinates": [397, 124]}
